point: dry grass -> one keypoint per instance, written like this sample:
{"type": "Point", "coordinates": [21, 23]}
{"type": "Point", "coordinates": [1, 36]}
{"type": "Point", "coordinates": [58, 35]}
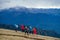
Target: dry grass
{"type": "Point", "coordinates": [12, 35]}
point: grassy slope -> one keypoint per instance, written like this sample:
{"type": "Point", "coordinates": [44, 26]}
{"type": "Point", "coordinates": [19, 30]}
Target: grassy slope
{"type": "Point", "coordinates": [12, 35]}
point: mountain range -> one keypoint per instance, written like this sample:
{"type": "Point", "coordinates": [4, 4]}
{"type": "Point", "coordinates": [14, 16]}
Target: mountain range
{"type": "Point", "coordinates": [46, 19]}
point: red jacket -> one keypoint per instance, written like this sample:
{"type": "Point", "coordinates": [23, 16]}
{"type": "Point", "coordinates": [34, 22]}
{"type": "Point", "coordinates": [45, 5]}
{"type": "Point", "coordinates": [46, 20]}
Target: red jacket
{"type": "Point", "coordinates": [34, 31]}
{"type": "Point", "coordinates": [22, 27]}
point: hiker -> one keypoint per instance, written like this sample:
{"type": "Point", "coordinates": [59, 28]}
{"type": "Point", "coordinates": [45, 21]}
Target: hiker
{"type": "Point", "coordinates": [34, 31]}
{"type": "Point", "coordinates": [26, 30]}
{"type": "Point", "coordinates": [30, 29]}
{"type": "Point", "coordinates": [22, 28]}
{"type": "Point", "coordinates": [16, 27]}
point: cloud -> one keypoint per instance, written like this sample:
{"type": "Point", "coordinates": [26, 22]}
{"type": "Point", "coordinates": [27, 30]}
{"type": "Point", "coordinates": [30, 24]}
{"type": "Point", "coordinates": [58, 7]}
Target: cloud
{"type": "Point", "coordinates": [30, 3]}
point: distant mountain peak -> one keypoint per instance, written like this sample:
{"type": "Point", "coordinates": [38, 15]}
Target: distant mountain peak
{"type": "Point", "coordinates": [31, 10]}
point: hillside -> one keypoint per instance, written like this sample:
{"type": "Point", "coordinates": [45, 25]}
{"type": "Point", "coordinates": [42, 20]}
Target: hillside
{"type": "Point", "coordinates": [6, 34]}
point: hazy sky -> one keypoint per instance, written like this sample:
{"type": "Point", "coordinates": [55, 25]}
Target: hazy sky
{"type": "Point", "coordinates": [30, 3]}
